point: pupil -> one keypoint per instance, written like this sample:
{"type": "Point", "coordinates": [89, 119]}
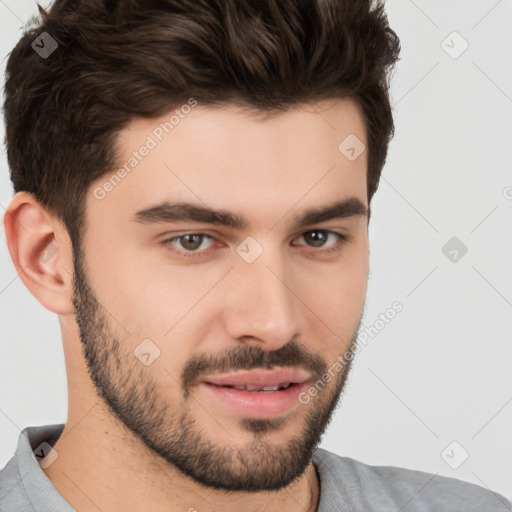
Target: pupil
{"type": "Point", "coordinates": [317, 238]}
{"type": "Point", "coordinates": [191, 241]}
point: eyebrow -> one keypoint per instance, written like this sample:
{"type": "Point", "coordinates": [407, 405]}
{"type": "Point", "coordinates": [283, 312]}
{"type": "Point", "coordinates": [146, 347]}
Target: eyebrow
{"type": "Point", "coordinates": [182, 211]}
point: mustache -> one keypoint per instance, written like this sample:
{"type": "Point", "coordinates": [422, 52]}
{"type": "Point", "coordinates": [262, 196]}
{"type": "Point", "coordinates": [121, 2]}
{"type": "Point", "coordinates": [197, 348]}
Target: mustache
{"type": "Point", "coordinates": [248, 358]}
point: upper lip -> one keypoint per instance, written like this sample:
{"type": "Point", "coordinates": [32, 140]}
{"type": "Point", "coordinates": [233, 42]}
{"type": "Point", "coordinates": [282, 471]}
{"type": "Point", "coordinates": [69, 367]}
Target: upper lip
{"type": "Point", "coordinates": [260, 377]}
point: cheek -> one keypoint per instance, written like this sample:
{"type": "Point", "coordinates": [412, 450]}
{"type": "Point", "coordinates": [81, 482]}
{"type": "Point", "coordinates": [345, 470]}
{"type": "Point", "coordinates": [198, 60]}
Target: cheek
{"type": "Point", "coordinates": [144, 293]}
{"type": "Point", "coordinates": [169, 306]}
{"type": "Point", "coordinates": [339, 299]}
{"type": "Point", "coordinates": [336, 293]}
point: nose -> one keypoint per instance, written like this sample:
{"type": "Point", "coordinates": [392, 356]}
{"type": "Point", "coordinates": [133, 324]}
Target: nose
{"type": "Point", "coordinates": [262, 309]}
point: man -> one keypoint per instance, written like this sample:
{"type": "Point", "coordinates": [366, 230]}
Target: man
{"type": "Point", "coordinates": [193, 184]}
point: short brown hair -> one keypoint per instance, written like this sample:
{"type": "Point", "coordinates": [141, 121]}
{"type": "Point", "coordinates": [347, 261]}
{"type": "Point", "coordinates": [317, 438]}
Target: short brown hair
{"type": "Point", "coordinates": [117, 60]}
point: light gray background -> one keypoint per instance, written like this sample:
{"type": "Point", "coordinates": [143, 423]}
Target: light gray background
{"type": "Point", "coordinates": [440, 371]}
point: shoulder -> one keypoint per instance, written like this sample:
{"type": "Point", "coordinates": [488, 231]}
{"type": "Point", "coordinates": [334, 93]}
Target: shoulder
{"type": "Point", "coordinates": [23, 484]}
{"type": "Point", "coordinates": [12, 491]}
{"type": "Point", "coordinates": [400, 488]}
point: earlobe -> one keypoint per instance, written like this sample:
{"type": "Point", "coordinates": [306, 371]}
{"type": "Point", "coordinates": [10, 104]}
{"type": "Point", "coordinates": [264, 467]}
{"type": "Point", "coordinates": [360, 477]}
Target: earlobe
{"type": "Point", "coordinates": [41, 252]}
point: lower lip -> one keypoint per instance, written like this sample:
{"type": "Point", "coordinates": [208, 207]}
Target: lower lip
{"type": "Point", "coordinates": [256, 404]}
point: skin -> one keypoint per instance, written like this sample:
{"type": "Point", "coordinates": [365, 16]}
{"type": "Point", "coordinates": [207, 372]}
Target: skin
{"type": "Point", "coordinates": [128, 424]}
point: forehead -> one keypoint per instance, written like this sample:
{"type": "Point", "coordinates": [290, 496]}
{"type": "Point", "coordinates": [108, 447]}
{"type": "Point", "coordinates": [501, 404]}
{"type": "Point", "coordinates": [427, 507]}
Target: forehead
{"type": "Point", "coordinates": [228, 158]}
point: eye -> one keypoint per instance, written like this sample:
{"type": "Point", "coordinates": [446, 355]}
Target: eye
{"type": "Point", "coordinates": [190, 242]}
{"type": "Point", "coordinates": [318, 238]}
{"type": "Point", "coordinates": [199, 244]}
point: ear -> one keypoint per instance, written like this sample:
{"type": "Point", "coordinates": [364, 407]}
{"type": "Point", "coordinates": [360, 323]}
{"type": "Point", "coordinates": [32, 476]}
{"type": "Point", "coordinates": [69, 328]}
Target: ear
{"type": "Point", "coordinates": [40, 249]}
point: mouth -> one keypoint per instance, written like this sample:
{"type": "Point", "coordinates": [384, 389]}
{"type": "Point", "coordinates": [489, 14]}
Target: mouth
{"type": "Point", "coordinates": [248, 387]}
{"type": "Point", "coordinates": [256, 393]}
{"type": "Point", "coordinates": [260, 379]}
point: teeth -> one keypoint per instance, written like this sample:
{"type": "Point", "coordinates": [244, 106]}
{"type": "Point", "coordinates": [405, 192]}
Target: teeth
{"type": "Point", "coordinates": [265, 388]}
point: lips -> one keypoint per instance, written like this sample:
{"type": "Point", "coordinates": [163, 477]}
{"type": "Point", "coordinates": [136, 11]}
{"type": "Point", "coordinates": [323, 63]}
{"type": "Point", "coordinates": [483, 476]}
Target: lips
{"type": "Point", "coordinates": [260, 379]}
{"type": "Point", "coordinates": [255, 393]}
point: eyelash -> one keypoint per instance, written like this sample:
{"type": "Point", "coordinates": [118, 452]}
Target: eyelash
{"type": "Point", "coordinates": [341, 239]}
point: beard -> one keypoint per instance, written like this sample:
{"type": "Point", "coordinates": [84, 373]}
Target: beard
{"type": "Point", "coordinates": [134, 397]}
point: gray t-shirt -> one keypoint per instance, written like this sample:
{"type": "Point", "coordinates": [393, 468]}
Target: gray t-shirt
{"type": "Point", "coordinates": [345, 485]}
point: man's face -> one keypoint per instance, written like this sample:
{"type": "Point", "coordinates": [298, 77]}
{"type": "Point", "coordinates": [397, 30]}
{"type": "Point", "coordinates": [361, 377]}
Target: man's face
{"type": "Point", "coordinates": [175, 307]}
